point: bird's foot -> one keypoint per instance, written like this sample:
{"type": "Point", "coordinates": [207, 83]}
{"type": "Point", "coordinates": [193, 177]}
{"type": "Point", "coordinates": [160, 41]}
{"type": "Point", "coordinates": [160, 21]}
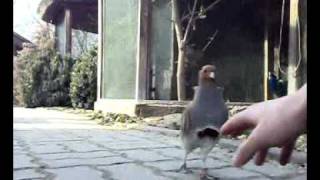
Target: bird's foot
{"type": "Point", "coordinates": [205, 176]}
{"type": "Point", "coordinates": [204, 172]}
{"type": "Point", "coordinates": [184, 169]}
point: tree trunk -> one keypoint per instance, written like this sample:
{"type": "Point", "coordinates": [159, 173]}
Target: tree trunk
{"type": "Point", "coordinates": [181, 87]}
{"type": "Point", "coordinates": [303, 35]}
{"type": "Point", "coordinates": [293, 47]}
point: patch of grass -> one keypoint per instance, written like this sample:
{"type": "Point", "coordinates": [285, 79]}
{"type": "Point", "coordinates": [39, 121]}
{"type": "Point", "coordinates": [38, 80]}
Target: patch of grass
{"type": "Point", "coordinates": [112, 118]}
{"type": "Point", "coordinates": [301, 143]}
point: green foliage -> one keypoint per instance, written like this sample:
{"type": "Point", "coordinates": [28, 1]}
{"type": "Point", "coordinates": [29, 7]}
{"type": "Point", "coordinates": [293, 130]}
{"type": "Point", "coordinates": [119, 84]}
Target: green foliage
{"type": "Point", "coordinates": [44, 77]}
{"type": "Point", "coordinates": [97, 115]}
{"type": "Point", "coordinates": [17, 97]}
{"type": "Point", "coordinates": [111, 118]}
{"type": "Point", "coordinates": [83, 85]}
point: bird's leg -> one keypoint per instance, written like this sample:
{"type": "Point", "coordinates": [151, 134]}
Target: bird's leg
{"type": "Point", "coordinates": [204, 171]}
{"type": "Point", "coordinates": [184, 165]}
{"type": "Point", "coordinates": [204, 164]}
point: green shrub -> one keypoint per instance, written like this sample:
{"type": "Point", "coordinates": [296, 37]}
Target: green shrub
{"type": "Point", "coordinates": [44, 77]}
{"type": "Point", "coordinates": [83, 85]}
{"type": "Point", "coordinates": [17, 97]}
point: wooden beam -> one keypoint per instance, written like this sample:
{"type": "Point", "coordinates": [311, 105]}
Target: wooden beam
{"type": "Point", "coordinates": [142, 74]}
{"type": "Point", "coordinates": [68, 30]}
{"type": "Point", "coordinates": [276, 61]}
{"type": "Point", "coordinates": [100, 48]}
{"type": "Point", "coordinates": [293, 47]}
{"type": "Point", "coordinates": [302, 76]}
{"type": "Point", "coordinates": [266, 54]}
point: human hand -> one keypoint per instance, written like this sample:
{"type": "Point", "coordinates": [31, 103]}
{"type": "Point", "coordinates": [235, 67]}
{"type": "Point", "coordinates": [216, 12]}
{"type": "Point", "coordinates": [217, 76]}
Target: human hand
{"type": "Point", "coordinates": [276, 123]}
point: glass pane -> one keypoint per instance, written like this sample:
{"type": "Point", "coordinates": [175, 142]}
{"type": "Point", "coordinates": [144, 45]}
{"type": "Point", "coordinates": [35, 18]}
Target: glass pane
{"type": "Point", "coordinates": [82, 41]}
{"type": "Point", "coordinates": [162, 48]}
{"type": "Point", "coordinates": [120, 48]}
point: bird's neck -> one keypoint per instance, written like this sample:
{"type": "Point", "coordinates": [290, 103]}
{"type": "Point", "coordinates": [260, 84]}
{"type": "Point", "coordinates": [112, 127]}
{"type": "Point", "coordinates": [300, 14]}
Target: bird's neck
{"type": "Point", "coordinates": [204, 91]}
{"type": "Point", "coordinates": [207, 83]}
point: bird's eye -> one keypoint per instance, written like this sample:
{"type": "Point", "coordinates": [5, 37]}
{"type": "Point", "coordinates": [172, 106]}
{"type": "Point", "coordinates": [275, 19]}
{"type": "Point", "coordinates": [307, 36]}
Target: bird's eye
{"type": "Point", "coordinates": [205, 71]}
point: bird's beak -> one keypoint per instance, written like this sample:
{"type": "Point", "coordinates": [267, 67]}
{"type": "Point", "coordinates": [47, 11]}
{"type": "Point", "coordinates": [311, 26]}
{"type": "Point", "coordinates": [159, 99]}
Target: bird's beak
{"type": "Point", "coordinates": [212, 75]}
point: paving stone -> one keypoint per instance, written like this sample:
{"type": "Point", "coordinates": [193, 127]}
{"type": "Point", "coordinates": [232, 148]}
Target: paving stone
{"type": "Point", "coordinates": [221, 153]}
{"type": "Point", "coordinates": [299, 177]}
{"type": "Point", "coordinates": [165, 165]}
{"type": "Point", "coordinates": [111, 136]}
{"type": "Point", "coordinates": [56, 140]}
{"type": "Point", "coordinates": [134, 145]}
{"type": "Point", "coordinates": [130, 138]}
{"type": "Point", "coordinates": [92, 161]}
{"type": "Point", "coordinates": [103, 138]}
{"type": "Point", "coordinates": [19, 152]}
{"type": "Point", "coordinates": [211, 163]}
{"type": "Point", "coordinates": [48, 148]}
{"type": "Point", "coordinates": [132, 172]}
{"type": "Point", "coordinates": [26, 174]}
{"type": "Point", "coordinates": [178, 153]}
{"type": "Point", "coordinates": [23, 161]}
{"type": "Point", "coordinates": [15, 143]}
{"type": "Point", "coordinates": [175, 165]}
{"type": "Point", "coordinates": [82, 146]}
{"type": "Point", "coordinates": [182, 176]}
{"type": "Point", "coordinates": [173, 141]}
{"type": "Point", "coordinates": [51, 135]}
{"type": "Point", "coordinates": [233, 173]}
{"type": "Point", "coordinates": [17, 146]}
{"type": "Point", "coordinates": [272, 170]}
{"type": "Point", "coordinates": [135, 133]}
{"type": "Point", "coordinates": [76, 173]}
{"type": "Point", "coordinates": [74, 155]}
{"type": "Point", "coordinates": [144, 155]}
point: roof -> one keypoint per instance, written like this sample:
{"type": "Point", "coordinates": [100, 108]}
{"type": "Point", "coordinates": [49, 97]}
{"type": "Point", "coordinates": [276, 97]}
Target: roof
{"type": "Point", "coordinates": [18, 41]}
{"type": "Point", "coordinates": [84, 13]}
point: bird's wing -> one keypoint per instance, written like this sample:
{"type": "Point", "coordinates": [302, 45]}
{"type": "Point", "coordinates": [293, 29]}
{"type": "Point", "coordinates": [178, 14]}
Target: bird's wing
{"type": "Point", "coordinates": [226, 114]}
{"type": "Point", "coordinates": [185, 121]}
{"type": "Point", "coordinates": [225, 111]}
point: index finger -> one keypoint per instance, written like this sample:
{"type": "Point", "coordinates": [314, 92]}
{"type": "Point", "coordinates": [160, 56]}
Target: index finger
{"type": "Point", "coordinates": [248, 148]}
{"type": "Point", "coordinates": [238, 123]}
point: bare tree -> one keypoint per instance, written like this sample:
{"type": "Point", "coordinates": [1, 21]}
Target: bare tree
{"type": "Point", "coordinates": [183, 36]}
{"type": "Point", "coordinates": [81, 38]}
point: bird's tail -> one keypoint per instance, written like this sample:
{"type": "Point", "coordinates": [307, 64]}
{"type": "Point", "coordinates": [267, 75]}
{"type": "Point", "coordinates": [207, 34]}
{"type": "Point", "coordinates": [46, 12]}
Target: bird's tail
{"type": "Point", "coordinates": [208, 132]}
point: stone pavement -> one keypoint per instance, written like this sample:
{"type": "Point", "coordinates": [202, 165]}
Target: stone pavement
{"type": "Point", "coordinates": [55, 145]}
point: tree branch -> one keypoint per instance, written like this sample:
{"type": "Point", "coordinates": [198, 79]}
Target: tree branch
{"type": "Point", "coordinates": [190, 21]}
{"type": "Point", "coordinates": [210, 41]}
{"type": "Point", "coordinates": [211, 6]}
{"type": "Point", "coordinates": [177, 22]}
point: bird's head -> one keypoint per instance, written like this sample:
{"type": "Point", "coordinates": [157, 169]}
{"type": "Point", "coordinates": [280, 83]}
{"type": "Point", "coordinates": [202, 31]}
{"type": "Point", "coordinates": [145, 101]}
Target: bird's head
{"type": "Point", "coordinates": [207, 73]}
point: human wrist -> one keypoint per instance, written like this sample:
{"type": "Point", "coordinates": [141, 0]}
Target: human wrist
{"type": "Point", "coordinates": [298, 103]}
